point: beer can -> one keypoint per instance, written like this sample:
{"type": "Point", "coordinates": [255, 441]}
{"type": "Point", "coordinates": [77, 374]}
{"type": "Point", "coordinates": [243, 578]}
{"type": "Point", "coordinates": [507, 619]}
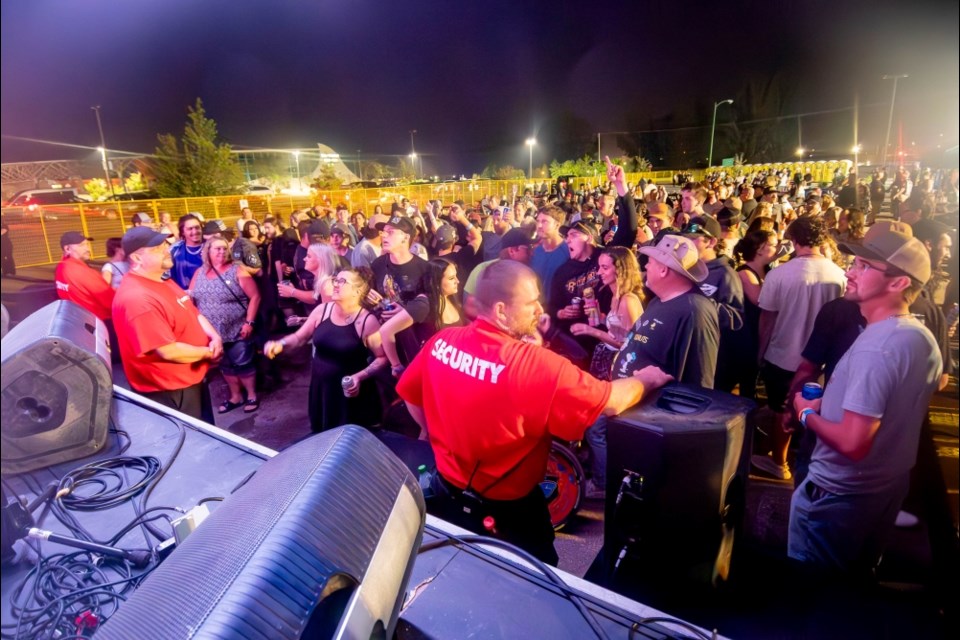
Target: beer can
{"type": "Point", "coordinates": [812, 391]}
{"type": "Point", "coordinates": [346, 383]}
{"type": "Point", "coordinates": [577, 301]}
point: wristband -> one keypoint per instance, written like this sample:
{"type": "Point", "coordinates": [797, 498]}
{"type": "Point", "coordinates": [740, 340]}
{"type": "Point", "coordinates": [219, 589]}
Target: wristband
{"type": "Point", "coordinates": [283, 343]}
{"type": "Point", "coordinates": [804, 415]}
{"type": "Point", "coordinates": [249, 323]}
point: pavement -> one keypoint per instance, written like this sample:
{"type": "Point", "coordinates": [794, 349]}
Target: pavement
{"type": "Point", "coordinates": [912, 596]}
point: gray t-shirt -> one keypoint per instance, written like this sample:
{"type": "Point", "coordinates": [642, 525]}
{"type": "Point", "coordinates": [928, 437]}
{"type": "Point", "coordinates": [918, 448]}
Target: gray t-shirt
{"type": "Point", "coordinates": [889, 372]}
{"type": "Point", "coordinates": [796, 291]}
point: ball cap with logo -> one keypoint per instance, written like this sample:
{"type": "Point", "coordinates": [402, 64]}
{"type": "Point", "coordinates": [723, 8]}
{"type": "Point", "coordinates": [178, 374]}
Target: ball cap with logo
{"type": "Point", "coordinates": [678, 254]}
{"type": "Point", "coordinates": [398, 222]}
{"type": "Point", "coordinates": [893, 243]}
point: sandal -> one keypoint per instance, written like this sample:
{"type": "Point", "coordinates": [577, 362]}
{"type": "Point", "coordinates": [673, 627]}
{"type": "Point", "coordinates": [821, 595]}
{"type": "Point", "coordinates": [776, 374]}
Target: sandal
{"type": "Point", "coordinates": [228, 406]}
{"type": "Point", "coordinates": [251, 405]}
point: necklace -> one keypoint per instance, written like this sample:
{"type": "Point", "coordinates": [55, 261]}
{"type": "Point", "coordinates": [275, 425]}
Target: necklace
{"type": "Point", "coordinates": [901, 315]}
{"type": "Point", "coordinates": [194, 252]}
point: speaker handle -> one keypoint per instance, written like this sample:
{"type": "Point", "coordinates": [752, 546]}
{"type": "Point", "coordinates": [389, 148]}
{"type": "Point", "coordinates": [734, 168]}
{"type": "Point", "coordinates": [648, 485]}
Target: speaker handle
{"type": "Point", "coordinates": [677, 400]}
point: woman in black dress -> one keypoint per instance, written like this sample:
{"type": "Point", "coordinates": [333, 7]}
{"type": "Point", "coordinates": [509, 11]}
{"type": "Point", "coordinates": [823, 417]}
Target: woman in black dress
{"type": "Point", "coordinates": [340, 331]}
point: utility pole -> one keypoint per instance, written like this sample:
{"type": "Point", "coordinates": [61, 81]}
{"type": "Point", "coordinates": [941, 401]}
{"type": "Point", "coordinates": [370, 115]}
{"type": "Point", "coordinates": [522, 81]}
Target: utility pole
{"type": "Point", "coordinates": [713, 129]}
{"type": "Point", "coordinates": [893, 99]}
{"type": "Point", "coordinates": [103, 153]}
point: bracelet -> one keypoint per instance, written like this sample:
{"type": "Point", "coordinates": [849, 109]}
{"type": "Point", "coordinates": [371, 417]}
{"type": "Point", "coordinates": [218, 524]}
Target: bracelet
{"type": "Point", "coordinates": [804, 415]}
{"type": "Point", "coordinates": [283, 343]}
{"type": "Point", "coordinates": [248, 323]}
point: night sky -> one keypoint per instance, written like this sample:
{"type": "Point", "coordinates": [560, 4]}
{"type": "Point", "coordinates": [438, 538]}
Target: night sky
{"type": "Point", "coordinates": [473, 78]}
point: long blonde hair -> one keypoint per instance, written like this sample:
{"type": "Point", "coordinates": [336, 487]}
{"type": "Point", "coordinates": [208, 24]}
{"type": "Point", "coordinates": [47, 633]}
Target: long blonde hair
{"type": "Point", "coordinates": [327, 259]}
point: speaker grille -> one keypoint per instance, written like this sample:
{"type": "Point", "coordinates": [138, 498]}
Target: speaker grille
{"type": "Point", "coordinates": [309, 520]}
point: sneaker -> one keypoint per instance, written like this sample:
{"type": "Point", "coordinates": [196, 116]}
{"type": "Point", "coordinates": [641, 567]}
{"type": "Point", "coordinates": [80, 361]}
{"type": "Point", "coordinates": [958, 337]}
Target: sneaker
{"type": "Point", "coordinates": [768, 466]}
{"type": "Point", "coordinates": [593, 491]}
{"type": "Point", "coordinates": [906, 520]}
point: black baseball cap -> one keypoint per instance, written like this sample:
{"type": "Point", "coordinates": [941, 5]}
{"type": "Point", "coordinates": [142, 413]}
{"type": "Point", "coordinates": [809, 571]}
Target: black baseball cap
{"type": "Point", "coordinates": [516, 237]}
{"type": "Point", "coordinates": [703, 226]}
{"type": "Point", "coordinates": [140, 237]}
{"type": "Point", "coordinates": [399, 222]}
{"type": "Point", "coordinates": [73, 237]}
{"type": "Point", "coordinates": [213, 227]}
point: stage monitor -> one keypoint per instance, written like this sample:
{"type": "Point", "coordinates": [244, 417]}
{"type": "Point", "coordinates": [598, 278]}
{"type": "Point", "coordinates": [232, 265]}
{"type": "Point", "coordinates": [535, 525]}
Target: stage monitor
{"type": "Point", "coordinates": [57, 386]}
{"type": "Point", "coordinates": [320, 543]}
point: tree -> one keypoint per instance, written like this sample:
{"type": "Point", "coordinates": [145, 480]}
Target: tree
{"type": "Point", "coordinates": [97, 189]}
{"type": "Point", "coordinates": [198, 165]}
{"type": "Point", "coordinates": [327, 178]}
{"type": "Point", "coordinates": [135, 182]}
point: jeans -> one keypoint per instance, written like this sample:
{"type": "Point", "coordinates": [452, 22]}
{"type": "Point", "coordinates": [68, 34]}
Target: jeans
{"type": "Point", "coordinates": [845, 533]}
{"type": "Point", "coordinates": [596, 437]}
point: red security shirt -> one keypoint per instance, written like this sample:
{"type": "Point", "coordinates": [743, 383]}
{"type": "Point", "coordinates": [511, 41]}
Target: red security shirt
{"type": "Point", "coordinates": [80, 284]}
{"type": "Point", "coordinates": [148, 314]}
{"type": "Point", "coordinates": [492, 403]}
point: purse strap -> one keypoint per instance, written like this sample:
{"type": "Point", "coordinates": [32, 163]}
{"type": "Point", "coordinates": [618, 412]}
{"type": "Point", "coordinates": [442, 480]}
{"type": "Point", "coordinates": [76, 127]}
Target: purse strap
{"type": "Point", "coordinates": [234, 293]}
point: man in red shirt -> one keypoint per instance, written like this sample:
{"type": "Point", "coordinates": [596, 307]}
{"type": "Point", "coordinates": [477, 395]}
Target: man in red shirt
{"type": "Point", "coordinates": [165, 344]}
{"type": "Point", "coordinates": [490, 400]}
{"type": "Point", "coordinates": [77, 282]}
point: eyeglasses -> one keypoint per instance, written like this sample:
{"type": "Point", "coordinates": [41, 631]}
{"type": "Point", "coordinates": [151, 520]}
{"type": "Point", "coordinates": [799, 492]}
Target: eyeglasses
{"type": "Point", "coordinates": [862, 266]}
{"type": "Point", "coordinates": [342, 281]}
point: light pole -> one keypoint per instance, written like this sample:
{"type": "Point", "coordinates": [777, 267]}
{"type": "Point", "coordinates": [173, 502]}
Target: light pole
{"type": "Point", "coordinates": [530, 142]}
{"type": "Point", "coordinates": [713, 129]}
{"type": "Point", "coordinates": [413, 164]}
{"type": "Point", "coordinates": [893, 99]}
{"type": "Point", "coordinates": [296, 156]}
{"type": "Point", "coordinates": [413, 152]}
{"type": "Point", "coordinates": [856, 157]}
{"type": "Point", "coordinates": [103, 152]}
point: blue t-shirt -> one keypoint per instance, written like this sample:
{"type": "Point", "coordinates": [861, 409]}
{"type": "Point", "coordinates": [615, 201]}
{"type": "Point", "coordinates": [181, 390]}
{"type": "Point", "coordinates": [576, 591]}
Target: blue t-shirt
{"type": "Point", "coordinates": [545, 264]}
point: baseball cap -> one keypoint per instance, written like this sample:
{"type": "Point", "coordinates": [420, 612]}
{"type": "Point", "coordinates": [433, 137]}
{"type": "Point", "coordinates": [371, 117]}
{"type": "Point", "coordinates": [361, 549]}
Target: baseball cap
{"type": "Point", "coordinates": [660, 210]}
{"type": "Point", "coordinates": [703, 226]}
{"type": "Point", "coordinates": [893, 243]}
{"type": "Point", "coordinates": [377, 218]}
{"type": "Point", "coordinates": [446, 235]}
{"type": "Point", "coordinates": [583, 226]}
{"type": "Point", "coordinates": [142, 218]}
{"type": "Point", "coordinates": [318, 228]}
{"type": "Point", "coordinates": [342, 229]}
{"type": "Point", "coordinates": [649, 188]}
{"type": "Point", "coordinates": [213, 227]}
{"type": "Point", "coordinates": [678, 254]}
{"type": "Point", "coordinates": [140, 237]}
{"type": "Point", "coordinates": [734, 203]}
{"type": "Point", "coordinates": [73, 237]}
{"type": "Point", "coordinates": [398, 222]}
{"type": "Point", "coordinates": [516, 237]}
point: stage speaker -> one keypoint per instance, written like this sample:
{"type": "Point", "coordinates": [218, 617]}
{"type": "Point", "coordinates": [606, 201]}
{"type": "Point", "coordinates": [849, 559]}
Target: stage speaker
{"type": "Point", "coordinates": [676, 472]}
{"type": "Point", "coordinates": [320, 543]}
{"type": "Point", "coordinates": [57, 386]}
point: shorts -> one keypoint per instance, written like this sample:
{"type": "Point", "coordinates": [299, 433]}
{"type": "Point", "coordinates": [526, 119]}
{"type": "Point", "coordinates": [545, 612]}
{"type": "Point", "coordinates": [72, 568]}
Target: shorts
{"type": "Point", "coordinates": [238, 358]}
{"type": "Point", "coordinates": [777, 383]}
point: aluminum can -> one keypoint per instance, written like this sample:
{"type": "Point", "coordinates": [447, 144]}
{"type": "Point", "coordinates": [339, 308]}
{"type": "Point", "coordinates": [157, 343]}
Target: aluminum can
{"type": "Point", "coordinates": [346, 383]}
{"type": "Point", "coordinates": [812, 391]}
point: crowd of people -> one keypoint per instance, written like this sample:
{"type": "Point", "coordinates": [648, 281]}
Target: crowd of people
{"type": "Point", "coordinates": [495, 326]}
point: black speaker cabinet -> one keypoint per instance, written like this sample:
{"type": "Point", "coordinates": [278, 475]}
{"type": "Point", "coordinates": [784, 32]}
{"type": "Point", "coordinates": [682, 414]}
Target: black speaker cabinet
{"type": "Point", "coordinates": [57, 387]}
{"type": "Point", "coordinates": [320, 543]}
{"type": "Point", "coordinates": [676, 472]}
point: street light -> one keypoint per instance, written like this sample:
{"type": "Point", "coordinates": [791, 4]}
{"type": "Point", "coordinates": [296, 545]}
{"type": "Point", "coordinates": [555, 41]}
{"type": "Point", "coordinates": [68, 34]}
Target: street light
{"type": "Point", "coordinates": [713, 129]}
{"type": "Point", "coordinates": [296, 156]}
{"type": "Point", "coordinates": [893, 99]}
{"type": "Point", "coordinates": [413, 163]}
{"type": "Point", "coordinates": [103, 152]}
{"type": "Point", "coordinates": [856, 157]}
{"type": "Point", "coordinates": [800, 151]}
{"type": "Point", "coordinates": [530, 142]}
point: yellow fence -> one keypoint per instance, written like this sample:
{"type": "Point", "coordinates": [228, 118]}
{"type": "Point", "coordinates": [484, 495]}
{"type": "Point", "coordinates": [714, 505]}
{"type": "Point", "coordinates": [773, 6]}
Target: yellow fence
{"type": "Point", "coordinates": [35, 233]}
